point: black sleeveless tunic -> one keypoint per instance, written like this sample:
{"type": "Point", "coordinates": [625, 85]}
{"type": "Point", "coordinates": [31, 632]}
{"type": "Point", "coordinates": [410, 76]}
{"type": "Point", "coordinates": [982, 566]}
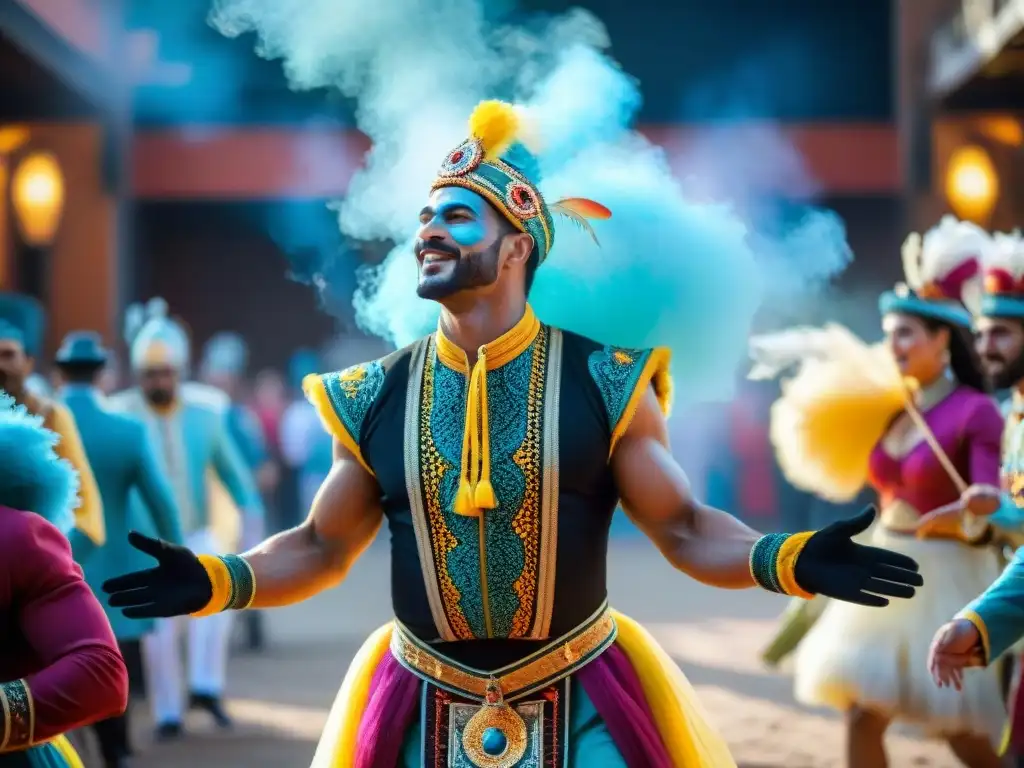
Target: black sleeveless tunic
{"type": "Point", "coordinates": [488, 590]}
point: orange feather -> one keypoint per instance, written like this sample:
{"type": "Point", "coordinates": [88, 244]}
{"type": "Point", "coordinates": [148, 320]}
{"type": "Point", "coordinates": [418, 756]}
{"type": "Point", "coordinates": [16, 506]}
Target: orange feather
{"type": "Point", "coordinates": [578, 210]}
{"type": "Point", "coordinates": [584, 207]}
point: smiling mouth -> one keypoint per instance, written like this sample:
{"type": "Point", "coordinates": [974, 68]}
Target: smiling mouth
{"type": "Point", "coordinates": [428, 256]}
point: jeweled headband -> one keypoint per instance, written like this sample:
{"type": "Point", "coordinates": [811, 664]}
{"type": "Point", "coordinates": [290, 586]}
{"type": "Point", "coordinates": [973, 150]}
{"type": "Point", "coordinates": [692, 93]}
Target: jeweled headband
{"type": "Point", "coordinates": [495, 164]}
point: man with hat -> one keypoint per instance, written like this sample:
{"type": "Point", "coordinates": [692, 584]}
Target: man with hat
{"type": "Point", "coordinates": [123, 462]}
{"type": "Point", "coordinates": [225, 358]}
{"type": "Point", "coordinates": [989, 628]}
{"type": "Point", "coordinates": [21, 337]}
{"type": "Point", "coordinates": [497, 448]}
{"type": "Point", "coordinates": [186, 425]}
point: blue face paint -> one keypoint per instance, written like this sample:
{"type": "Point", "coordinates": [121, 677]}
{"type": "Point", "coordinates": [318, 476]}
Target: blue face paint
{"type": "Point", "coordinates": [461, 213]}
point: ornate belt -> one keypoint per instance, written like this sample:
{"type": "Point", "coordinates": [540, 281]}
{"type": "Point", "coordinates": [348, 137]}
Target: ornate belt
{"type": "Point", "coordinates": [486, 721]}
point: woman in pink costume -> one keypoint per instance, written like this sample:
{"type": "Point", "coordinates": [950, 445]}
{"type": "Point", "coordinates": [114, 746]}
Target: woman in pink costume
{"type": "Point", "coordinates": [924, 435]}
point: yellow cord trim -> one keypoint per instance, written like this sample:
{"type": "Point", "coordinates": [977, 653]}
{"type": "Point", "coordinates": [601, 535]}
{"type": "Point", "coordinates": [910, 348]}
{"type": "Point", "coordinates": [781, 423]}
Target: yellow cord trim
{"type": "Point", "coordinates": [220, 582]}
{"type": "Point", "coordinates": [785, 564]}
{"type": "Point", "coordinates": [476, 492]}
{"type": "Point", "coordinates": [316, 393]}
{"type": "Point", "coordinates": [656, 373]}
{"type": "Point", "coordinates": [979, 624]}
{"type": "Point", "coordinates": [67, 751]}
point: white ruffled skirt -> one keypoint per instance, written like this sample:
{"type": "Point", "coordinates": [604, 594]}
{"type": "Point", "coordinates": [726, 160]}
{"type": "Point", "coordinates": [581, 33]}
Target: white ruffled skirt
{"type": "Point", "coordinates": [877, 658]}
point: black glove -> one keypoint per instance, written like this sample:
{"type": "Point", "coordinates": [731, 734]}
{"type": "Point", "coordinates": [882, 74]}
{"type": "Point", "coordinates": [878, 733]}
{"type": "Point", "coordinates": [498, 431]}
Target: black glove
{"type": "Point", "coordinates": [831, 564]}
{"type": "Point", "coordinates": [178, 585]}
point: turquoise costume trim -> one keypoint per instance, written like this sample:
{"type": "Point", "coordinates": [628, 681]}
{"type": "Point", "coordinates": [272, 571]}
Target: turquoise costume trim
{"type": "Point", "coordinates": [617, 372]}
{"type": "Point", "coordinates": [352, 392]}
{"type": "Point", "coordinates": [518, 538]}
{"type": "Point", "coordinates": [1000, 609]}
{"type": "Point", "coordinates": [993, 305]}
{"type": "Point", "coordinates": [764, 558]}
{"type": "Point", "coordinates": [945, 311]}
{"type": "Point", "coordinates": [507, 394]}
{"type": "Point", "coordinates": [243, 582]}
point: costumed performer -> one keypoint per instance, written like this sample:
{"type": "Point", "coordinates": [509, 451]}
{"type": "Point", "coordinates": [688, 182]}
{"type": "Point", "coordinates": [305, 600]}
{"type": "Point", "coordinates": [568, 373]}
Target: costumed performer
{"type": "Point", "coordinates": [925, 435]}
{"type": "Point", "coordinates": [61, 668]}
{"type": "Point", "coordinates": [123, 462]}
{"type": "Point", "coordinates": [186, 426]}
{"type": "Point", "coordinates": [987, 628]}
{"type": "Point", "coordinates": [497, 448]}
{"type": "Point", "coordinates": [22, 321]}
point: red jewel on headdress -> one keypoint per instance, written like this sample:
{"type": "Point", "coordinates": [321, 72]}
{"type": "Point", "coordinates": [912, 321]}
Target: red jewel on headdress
{"type": "Point", "coordinates": [464, 159]}
{"type": "Point", "coordinates": [521, 200]}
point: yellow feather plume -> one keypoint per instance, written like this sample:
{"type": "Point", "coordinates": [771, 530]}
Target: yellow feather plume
{"type": "Point", "coordinates": [834, 410]}
{"type": "Point", "coordinates": [495, 124]}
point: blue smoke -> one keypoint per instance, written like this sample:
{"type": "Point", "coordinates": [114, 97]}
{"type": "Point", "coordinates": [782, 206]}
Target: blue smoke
{"type": "Point", "coordinates": [670, 271]}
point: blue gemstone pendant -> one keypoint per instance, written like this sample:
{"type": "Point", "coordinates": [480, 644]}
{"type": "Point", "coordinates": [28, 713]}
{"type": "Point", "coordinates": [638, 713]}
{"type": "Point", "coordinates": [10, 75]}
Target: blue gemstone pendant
{"type": "Point", "coordinates": [496, 736]}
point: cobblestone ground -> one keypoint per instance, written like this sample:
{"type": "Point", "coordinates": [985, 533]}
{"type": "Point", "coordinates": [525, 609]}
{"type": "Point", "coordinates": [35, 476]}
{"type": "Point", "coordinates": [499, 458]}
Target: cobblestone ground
{"type": "Point", "coordinates": [280, 698]}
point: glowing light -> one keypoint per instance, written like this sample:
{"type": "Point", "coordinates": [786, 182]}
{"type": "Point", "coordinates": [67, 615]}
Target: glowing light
{"type": "Point", "coordinates": [37, 192]}
{"type": "Point", "coordinates": [972, 184]}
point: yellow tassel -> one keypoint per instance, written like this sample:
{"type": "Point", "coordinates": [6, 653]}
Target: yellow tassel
{"type": "Point", "coordinates": [464, 502]}
{"type": "Point", "coordinates": [483, 496]}
{"type": "Point", "coordinates": [495, 124]}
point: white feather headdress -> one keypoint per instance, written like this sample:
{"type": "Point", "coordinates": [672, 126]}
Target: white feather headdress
{"type": "Point", "coordinates": [1004, 263]}
{"type": "Point", "coordinates": [931, 263]}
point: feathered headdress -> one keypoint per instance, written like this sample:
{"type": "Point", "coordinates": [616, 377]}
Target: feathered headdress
{"type": "Point", "coordinates": [496, 163]}
{"type": "Point", "coordinates": [1003, 270]}
{"type": "Point", "coordinates": [942, 271]}
{"type": "Point", "coordinates": [155, 338]}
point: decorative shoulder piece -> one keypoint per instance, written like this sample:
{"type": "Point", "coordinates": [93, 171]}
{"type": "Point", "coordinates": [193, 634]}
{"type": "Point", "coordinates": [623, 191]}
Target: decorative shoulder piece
{"type": "Point", "coordinates": [773, 562]}
{"type": "Point", "coordinates": [622, 376]}
{"type": "Point", "coordinates": [233, 583]}
{"type": "Point", "coordinates": [19, 717]}
{"type": "Point", "coordinates": [342, 399]}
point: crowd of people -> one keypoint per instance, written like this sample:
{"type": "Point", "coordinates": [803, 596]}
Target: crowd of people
{"type": "Point", "coordinates": [216, 461]}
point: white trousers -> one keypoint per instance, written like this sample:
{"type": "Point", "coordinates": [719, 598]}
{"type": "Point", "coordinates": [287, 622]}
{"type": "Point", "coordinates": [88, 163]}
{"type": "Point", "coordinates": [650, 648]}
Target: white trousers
{"type": "Point", "coordinates": [208, 640]}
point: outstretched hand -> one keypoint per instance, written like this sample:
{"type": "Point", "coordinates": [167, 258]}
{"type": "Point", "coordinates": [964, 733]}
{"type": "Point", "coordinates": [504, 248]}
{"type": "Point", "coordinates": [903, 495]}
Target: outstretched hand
{"type": "Point", "coordinates": [834, 565]}
{"type": "Point", "coordinates": [956, 646]}
{"type": "Point", "coordinates": [177, 586]}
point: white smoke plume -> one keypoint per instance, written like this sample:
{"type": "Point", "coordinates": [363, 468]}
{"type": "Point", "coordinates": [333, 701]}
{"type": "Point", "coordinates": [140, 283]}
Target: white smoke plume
{"type": "Point", "coordinates": [668, 271]}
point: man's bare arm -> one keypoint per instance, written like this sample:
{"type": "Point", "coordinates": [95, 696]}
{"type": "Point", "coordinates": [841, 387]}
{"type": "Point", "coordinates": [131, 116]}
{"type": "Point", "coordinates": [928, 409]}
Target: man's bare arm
{"type": "Point", "coordinates": [298, 563]}
{"type": "Point", "coordinates": [710, 545]}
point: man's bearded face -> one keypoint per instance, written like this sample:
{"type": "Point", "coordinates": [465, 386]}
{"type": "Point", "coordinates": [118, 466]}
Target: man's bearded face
{"type": "Point", "coordinates": [159, 384]}
{"type": "Point", "coordinates": [458, 246]}
{"type": "Point", "coordinates": [1000, 345]}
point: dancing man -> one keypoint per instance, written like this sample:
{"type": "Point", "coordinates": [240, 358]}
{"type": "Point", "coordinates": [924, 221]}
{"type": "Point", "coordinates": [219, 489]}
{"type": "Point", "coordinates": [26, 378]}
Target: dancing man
{"type": "Point", "coordinates": [497, 448]}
